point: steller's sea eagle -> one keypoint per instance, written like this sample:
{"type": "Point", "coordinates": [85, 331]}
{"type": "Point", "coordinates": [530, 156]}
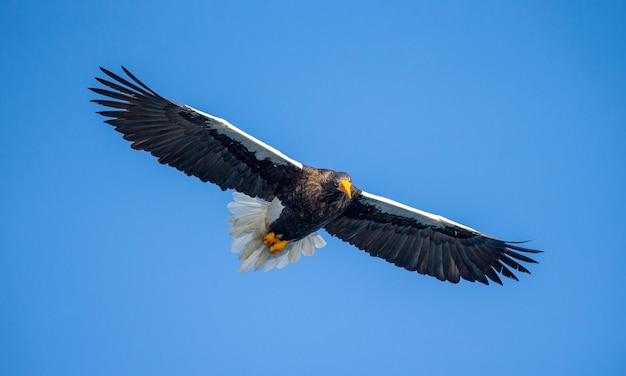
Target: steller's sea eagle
{"type": "Point", "coordinates": [280, 204]}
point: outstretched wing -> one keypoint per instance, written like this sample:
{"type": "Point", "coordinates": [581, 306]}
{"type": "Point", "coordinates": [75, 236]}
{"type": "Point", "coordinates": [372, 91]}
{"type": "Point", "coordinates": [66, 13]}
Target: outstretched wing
{"type": "Point", "coordinates": [192, 141]}
{"type": "Point", "coordinates": [426, 243]}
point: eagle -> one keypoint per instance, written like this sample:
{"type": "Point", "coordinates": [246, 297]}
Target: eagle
{"type": "Point", "coordinates": [280, 205]}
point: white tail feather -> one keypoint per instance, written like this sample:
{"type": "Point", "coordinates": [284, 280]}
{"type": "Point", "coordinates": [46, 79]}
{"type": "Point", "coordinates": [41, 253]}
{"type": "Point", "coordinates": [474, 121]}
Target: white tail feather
{"type": "Point", "coordinates": [250, 221]}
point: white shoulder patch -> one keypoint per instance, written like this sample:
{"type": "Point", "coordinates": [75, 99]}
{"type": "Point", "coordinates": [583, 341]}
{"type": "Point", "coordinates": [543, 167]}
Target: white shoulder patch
{"type": "Point", "coordinates": [386, 205]}
{"type": "Point", "coordinates": [260, 149]}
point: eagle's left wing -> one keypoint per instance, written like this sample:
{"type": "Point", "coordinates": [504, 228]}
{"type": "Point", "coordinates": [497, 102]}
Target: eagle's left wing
{"type": "Point", "coordinates": [426, 243]}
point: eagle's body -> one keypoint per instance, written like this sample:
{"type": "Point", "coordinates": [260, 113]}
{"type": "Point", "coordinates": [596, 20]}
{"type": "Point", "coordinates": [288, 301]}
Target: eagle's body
{"type": "Point", "coordinates": [318, 202]}
{"type": "Point", "coordinates": [283, 203]}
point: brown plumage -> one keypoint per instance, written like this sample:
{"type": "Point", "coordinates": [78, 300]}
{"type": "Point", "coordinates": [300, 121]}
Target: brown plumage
{"type": "Point", "coordinates": [308, 198]}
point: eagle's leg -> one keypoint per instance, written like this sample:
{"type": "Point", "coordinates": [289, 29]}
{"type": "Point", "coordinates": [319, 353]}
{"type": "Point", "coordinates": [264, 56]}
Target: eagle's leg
{"type": "Point", "coordinates": [274, 242]}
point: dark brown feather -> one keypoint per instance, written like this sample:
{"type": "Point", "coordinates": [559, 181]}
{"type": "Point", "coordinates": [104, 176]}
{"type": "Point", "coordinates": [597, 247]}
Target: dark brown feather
{"type": "Point", "coordinates": [209, 148]}
{"type": "Point", "coordinates": [446, 252]}
{"type": "Point", "coordinates": [186, 140]}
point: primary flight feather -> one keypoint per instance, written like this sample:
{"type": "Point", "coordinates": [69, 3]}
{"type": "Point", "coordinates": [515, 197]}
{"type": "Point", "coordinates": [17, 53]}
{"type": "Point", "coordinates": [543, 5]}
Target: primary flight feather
{"type": "Point", "coordinates": [282, 203]}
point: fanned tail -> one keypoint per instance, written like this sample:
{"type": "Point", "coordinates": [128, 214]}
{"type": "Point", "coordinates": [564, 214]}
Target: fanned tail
{"type": "Point", "coordinates": [250, 220]}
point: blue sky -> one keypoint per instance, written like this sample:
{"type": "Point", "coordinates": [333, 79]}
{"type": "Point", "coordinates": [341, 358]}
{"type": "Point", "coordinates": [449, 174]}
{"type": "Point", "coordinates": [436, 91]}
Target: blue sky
{"type": "Point", "coordinates": [509, 117]}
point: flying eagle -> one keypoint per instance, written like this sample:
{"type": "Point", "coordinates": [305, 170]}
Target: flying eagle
{"type": "Point", "coordinates": [280, 204]}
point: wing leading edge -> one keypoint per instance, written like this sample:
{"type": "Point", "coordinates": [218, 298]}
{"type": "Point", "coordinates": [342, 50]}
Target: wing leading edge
{"type": "Point", "coordinates": [192, 141]}
{"type": "Point", "coordinates": [427, 243]}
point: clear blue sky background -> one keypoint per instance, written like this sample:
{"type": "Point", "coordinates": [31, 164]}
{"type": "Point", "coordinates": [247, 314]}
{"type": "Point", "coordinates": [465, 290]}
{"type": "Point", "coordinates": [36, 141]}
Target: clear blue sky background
{"type": "Point", "coordinates": [509, 117]}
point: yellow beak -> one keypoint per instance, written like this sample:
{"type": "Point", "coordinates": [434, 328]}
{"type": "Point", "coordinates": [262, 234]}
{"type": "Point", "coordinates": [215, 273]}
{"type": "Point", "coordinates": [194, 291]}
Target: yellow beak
{"type": "Point", "coordinates": [344, 186]}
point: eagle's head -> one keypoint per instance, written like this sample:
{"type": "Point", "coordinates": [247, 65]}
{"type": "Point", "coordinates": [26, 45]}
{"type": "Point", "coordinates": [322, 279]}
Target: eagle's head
{"type": "Point", "coordinates": [340, 182]}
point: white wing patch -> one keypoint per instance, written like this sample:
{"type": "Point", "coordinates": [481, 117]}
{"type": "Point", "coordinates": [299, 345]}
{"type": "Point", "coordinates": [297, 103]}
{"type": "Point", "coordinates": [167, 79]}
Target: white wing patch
{"type": "Point", "coordinates": [386, 205]}
{"type": "Point", "coordinates": [260, 149]}
{"type": "Point", "coordinates": [250, 222]}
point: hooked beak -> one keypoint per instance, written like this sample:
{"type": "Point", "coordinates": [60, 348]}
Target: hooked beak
{"type": "Point", "coordinates": [344, 186]}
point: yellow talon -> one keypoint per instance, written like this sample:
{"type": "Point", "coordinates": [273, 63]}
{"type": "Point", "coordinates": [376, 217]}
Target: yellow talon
{"type": "Point", "coordinates": [274, 243]}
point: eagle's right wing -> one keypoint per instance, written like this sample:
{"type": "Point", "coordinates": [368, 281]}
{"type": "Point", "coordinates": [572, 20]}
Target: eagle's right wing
{"type": "Point", "coordinates": [192, 141]}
